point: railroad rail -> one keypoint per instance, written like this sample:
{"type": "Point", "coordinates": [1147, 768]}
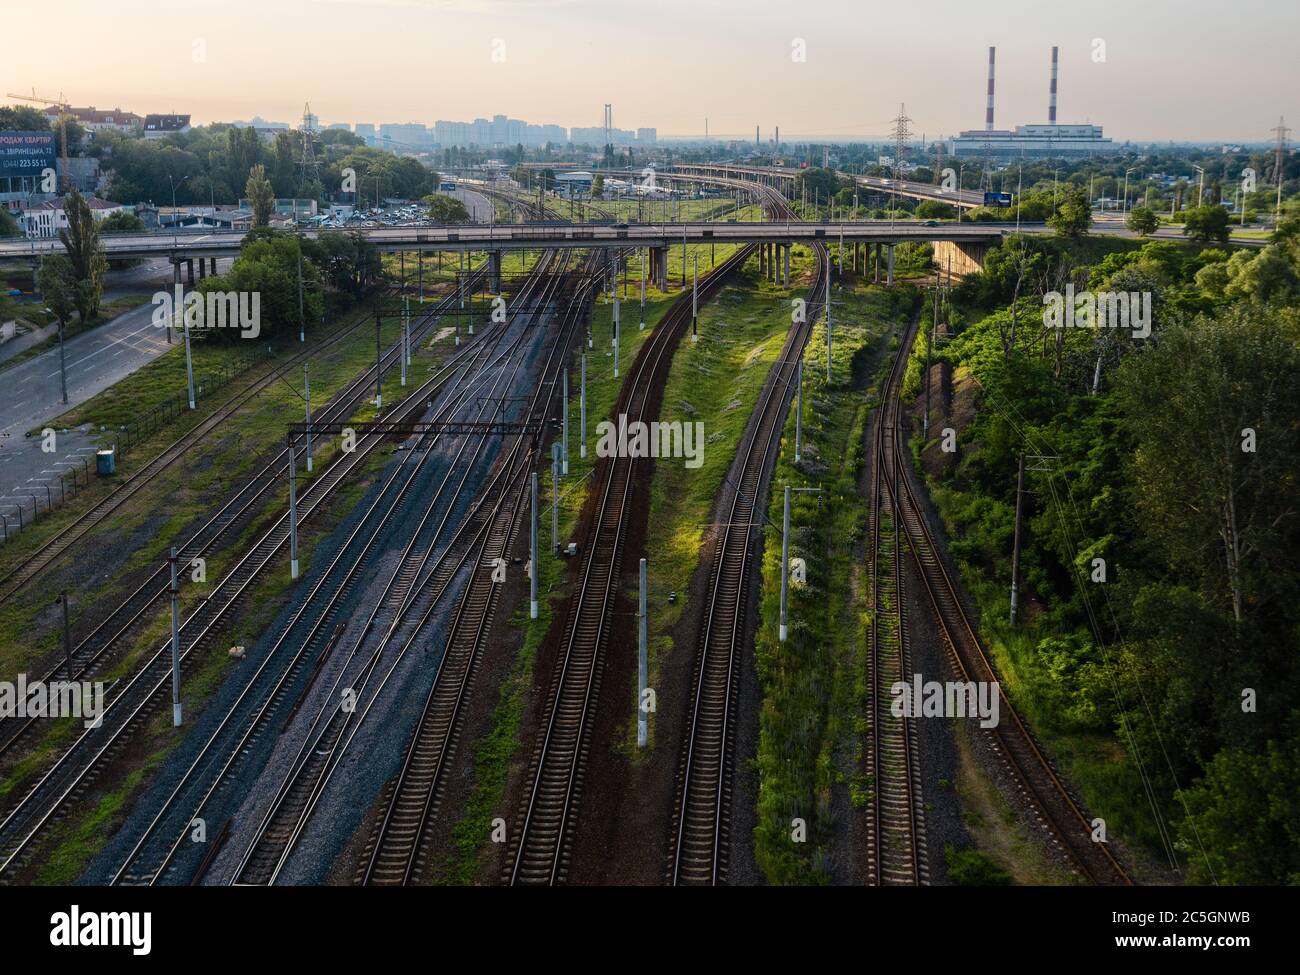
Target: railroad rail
{"type": "Point", "coordinates": [541, 843]}
{"type": "Point", "coordinates": [1055, 808]}
{"type": "Point", "coordinates": [137, 698]}
{"type": "Point", "coordinates": [397, 852]}
{"type": "Point", "coordinates": [116, 627]}
{"type": "Point", "coordinates": [896, 843]}
{"type": "Point", "coordinates": [414, 589]}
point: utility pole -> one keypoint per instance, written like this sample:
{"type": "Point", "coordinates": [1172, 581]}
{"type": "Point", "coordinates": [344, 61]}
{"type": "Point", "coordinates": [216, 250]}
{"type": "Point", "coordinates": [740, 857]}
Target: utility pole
{"type": "Point", "coordinates": [828, 328]}
{"type": "Point", "coordinates": [785, 566]}
{"type": "Point", "coordinates": [555, 498]}
{"type": "Point", "coordinates": [582, 409]}
{"type": "Point", "coordinates": [798, 411]}
{"type": "Point", "coordinates": [406, 337]}
{"type": "Point", "coordinates": [306, 385]}
{"type": "Point", "coordinates": [379, 378]}
{"type": "Point", "coordinates": [189, 362]}
{"type": "Point", "coordinates": [615, 336]}
{"type": "Point", "coordinates": [1015, 545]}
{"type": "Point", "coordinates": [176, 641]}
{"type": "Point", "coordinates": [695, 301]}
{"type": "Point", "coordinates": [642, 664]}
{"type": "Point", "coordinates": [644, 258]}
{"type": "Point", "coordinates": [934, 324]}
{"type": "Point", "coordinates": [67, 633]}
{"type": "Point", "coordinates": [532, 559]}
{"type": "Point", "coordinates": [564, 423]}
{"type": "Point", "coordinates": [63, 372]}
{"type": "Point", "coordinates": [302, 321]}
{"type": "Point", "coordinates": [293, 513]}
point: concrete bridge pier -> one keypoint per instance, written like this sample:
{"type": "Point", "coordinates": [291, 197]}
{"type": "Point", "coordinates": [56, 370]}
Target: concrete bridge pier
{"type": "Point", "coordinates": [786, 274]}
{"type": "Point", "coordinates": [889, 280]}
{"type": "Point", "coordinates": [659, 267]}
{"type": "Point", "coordinates": [960, 258]}
{"type": "Point", "coordinates": [876, 278]}
{"type": "Point", "coordinates": [494, 270]}
{"type": "Point", "coordinates": [189, 272]}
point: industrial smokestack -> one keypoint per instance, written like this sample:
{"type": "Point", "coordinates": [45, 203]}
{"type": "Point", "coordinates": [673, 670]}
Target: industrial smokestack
{"type": "Point", "coordinates": [778, 138]}
{"type": "Point", "coordinates": [988, 113]}
{"type": "Point", "coordinates": [1051, 104]}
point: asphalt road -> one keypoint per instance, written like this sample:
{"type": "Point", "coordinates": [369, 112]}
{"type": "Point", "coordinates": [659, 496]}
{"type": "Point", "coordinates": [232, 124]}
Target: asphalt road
{"type": "Point", "coordinates": [32, 478]}
{"type": "Point", "coordinates": [30, 391]}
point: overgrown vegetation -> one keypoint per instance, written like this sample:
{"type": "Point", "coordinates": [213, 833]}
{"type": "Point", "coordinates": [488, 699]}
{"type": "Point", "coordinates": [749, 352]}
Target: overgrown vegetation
{"type": "Point", "coordinates": [1157, 647]}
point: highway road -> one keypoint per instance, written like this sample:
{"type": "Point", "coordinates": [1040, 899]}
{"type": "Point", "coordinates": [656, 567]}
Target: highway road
{"type": "Point", "coordinates": [30, 396]}
{"type": "Point", "coordinates": [30, 391]}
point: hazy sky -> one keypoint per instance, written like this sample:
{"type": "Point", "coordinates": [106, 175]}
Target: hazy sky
{"type": "Point", "coordinates": [1173, 69]}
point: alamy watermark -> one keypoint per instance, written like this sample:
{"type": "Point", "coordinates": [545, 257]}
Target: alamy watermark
{"type": "Point", "coordinates": [211, 309]}
{"type": "Point", "coordinates": [1105, 309]}
{"type": "Point", "coordinates": [53, 699]}
{"type": "Point", "coordinates": [953, 699]}
{"type": "Point", "coordinates": [654, 439]}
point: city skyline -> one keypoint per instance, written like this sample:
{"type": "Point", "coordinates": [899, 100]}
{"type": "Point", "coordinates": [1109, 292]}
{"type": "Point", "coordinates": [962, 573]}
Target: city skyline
{"type": "Point", "coordinates": [831, 70]}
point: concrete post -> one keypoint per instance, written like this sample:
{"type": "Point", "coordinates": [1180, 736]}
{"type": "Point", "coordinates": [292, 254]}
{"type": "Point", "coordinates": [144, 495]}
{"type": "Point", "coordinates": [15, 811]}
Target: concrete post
{"type": "Point", "coordinates": [564, 423]}
{"type": "Point", "coordinates": [582, 409]}
{"type": "Point", "coordinates": [889, 281]}
{"type": "Point", "coordinates": [176, 642]}
{"type": "Point", "coordinates": [642, 665]}
{"type": "Point", "coordinates": [785, 566]}
{"type": "Point", "coordinates": [798, 411]}
{"type": "Point", "coordinates": [532, 556]}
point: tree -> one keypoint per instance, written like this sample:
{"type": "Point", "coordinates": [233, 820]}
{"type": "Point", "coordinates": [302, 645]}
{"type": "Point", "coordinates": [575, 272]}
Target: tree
{"type": "Point", "coordinates": [8, 225]}
{"type": "Point", "coordinates": [935, 210]}
{"type": "Point", "coordinates": [598, 186]}
{"type": "Point", "coordinates": [1073, 215]}
{"type": "Point", "coordinates": [1245, 816]}
{"type": "Point", "coordinates": [446, 209]}
{"type": "Point", "coordinates": [121, 222]}
{"type": "Point", "coordinates": [1206, 224]}
{"type": "Point", "coordinates": [267, 266]}
{"type": "Point", "coordinates": [58, 284]}
{"type": "Point", "coordinates": [1142, 221]}
{"type": "Point", "coordinates": [85, 252]}
{"type": "Point", "coordinates": [350, 262]}
{"type": "Point", "coordinates": [23, 118]}
{"type": "Point", "coordinates": [260, 195]}
{"type": "Point", "coordinates": [1212, 473]}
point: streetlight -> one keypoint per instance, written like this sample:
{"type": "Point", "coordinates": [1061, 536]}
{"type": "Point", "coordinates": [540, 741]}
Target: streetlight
{"type": "Point", "coordinates": [1126, 175]}
{"type": "Point", "coordinates": [63, 373]}
{"type": "Point", "coordinates": [1200, 188]}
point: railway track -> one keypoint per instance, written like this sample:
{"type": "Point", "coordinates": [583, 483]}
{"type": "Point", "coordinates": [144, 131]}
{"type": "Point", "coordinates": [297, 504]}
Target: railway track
{"type": "Point", "coordinates": [270, 693]}
{"type": "Point", "coordinates": [404, 615]}
{"type": "Point", "coordinates": [136, 699]}
{"type": "Point", "coordinates": [1057, 812]}
{"type": "Point", "coordinates": [118, 626]}
{"type": "Point", "coordinates": [25, 571]}
{"type": "Point", "coordinates": [701, 831]}
{"type": "Point", "coordinates": [397, 851]}
{"type": "Point", "coordinates": [541, 843]}
{"type": "Point", "coordinates": [896, 845]}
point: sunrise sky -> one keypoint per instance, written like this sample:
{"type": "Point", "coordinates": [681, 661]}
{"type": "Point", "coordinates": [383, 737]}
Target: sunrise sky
{"type": "Point", "coordinates": [1172, 70]}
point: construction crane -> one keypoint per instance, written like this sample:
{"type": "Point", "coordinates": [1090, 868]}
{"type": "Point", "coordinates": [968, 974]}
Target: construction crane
{"type": "Point", "coordinates": [64, 110]}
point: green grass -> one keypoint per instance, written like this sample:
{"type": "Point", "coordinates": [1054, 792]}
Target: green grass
{"type": "Point", "coordinates": [715, 381]}
{"type": "Point", "coordinates": [501, 745]}
{"type": "Point", "coordinates": [814, 684]}
{"type": "Point", "coordinates": [176, 502]}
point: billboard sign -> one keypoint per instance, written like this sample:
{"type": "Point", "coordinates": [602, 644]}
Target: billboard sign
{"type": "Point", "coordinates": [997, 199]}
{"type": "Point", "coordinates": [26, 153]}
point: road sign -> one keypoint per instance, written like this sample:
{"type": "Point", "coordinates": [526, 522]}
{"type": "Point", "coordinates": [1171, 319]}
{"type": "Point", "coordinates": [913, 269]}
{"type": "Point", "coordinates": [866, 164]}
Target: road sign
{"type": "Point", "coordinates": [997, 199]}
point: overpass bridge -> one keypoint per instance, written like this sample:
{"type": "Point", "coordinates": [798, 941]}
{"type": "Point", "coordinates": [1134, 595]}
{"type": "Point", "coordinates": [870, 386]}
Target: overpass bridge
{"type": "Point", "coordinates": [776, 175]}
{"type": "Point", "coordinates": [773, 237]}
